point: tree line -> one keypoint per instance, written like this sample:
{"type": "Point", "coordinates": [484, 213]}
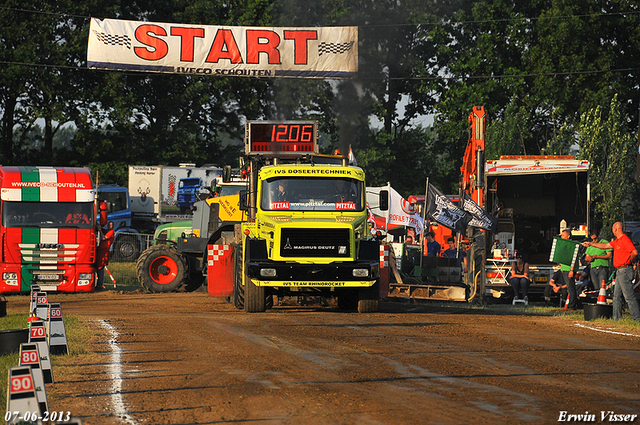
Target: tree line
{"type": "Point", "coordinates": [555, 76]}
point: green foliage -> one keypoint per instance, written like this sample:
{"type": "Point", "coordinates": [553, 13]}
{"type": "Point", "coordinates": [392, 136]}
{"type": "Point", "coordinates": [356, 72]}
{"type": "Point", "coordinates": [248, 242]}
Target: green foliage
{"type": "Point", "coordinates": [606, 141]}
{"type": "Point", "coordinates": [537, 67]}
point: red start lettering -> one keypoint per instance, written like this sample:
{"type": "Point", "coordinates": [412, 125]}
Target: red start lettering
{"type": "Point", "coordinates": [224, 45]}
{"type": "Point", "coordinates": [187, 35]}
{"type": "Point", "coordinates": [300, 44]}
{"type": "Point", "coordinates": [156, 47]}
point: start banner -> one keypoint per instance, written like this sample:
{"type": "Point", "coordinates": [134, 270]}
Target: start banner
{"type": "Point", "coordinates": [317, 52]}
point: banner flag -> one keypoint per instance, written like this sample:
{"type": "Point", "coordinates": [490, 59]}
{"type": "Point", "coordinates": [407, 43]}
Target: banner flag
{"type": "Point", "coordinates": [313, 52]}
{"type": "Point", "coordinates": [442, 210]}
{"type": "Point", "coordinates": [352, 158]}
{"type": "Point", "coordinates": [479, 217]}
{"type": "Point", "coordinates": [372, 221]}
{"type": "Point", "coordinates": [565, 251]}
{"type": "Point", "coordinates": [402, 212]}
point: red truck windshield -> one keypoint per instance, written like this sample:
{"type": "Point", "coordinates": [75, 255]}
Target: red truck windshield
{"type": "Point", "coordinates": [301, 194]}
{"type": "Point", "coordinates": [48, 214]}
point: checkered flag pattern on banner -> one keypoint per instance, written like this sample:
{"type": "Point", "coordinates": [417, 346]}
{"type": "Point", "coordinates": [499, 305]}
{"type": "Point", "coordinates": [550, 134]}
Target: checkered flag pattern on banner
{"type": "Point", "coordinates": [334, 48]}
{"type": "Point", "coordinates": [114, 40]}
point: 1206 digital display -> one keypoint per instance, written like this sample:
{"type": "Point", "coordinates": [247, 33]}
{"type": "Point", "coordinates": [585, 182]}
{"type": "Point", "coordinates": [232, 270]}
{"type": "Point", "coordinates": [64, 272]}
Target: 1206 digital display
{"type": "Point", "coordinates": [281, 137]}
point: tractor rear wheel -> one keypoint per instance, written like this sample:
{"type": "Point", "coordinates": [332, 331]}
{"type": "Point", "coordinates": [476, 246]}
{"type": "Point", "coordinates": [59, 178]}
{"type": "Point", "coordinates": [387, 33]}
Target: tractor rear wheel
{"type": "Point", "coordinates": [162, 269]}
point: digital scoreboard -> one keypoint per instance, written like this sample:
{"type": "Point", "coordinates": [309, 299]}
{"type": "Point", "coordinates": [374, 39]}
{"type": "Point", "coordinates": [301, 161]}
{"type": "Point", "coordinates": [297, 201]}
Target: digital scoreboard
{"type": "Point", "coordinates": [276, 138]}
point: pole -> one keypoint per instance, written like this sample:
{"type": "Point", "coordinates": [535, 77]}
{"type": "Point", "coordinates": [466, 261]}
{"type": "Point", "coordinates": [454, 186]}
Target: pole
{"type": "Point", "coordinates": [111, 276]}
{"type": "Point", "coordinates": [386, 221]}
{"type": "Point", "coordinates": [424, 222]}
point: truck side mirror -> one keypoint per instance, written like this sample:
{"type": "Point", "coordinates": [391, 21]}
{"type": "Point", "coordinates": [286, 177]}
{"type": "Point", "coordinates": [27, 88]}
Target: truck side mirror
{"type": "Point", "coordinates": [103, 213]}
{"type": "Point", "coordinates": [383, 203]}
{"type": "Point", "coordinates": [244, 200]}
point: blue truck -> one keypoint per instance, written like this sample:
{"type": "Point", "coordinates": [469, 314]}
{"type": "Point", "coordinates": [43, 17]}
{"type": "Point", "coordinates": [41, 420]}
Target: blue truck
{"type": "Point", "coordinates": [130, 237]}
{"type": "Point", "coordinates": [188, 193]}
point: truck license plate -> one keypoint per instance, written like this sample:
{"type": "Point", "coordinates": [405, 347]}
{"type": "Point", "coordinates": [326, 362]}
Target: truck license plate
{"type": "Point", "coordinates": [541, 278]}
{"type": "Point", "coordinates": [48, 277]}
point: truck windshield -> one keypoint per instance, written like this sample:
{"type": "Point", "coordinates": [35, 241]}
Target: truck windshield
{"type": "Point", "coordinates": [312, 194]}
{"type": "Point", "coordinates": [230, 190]}
{"type": "Point", "coordinates": [48, 214]}
{"type": "Point", "coordinates": [118, 200]}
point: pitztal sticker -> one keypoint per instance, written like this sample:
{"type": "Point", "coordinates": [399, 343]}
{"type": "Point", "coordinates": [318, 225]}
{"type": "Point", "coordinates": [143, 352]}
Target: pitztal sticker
{"type": "Point", "coordinates": [346, 206]}
{"type": "Point", "coordinates": [278, 205]}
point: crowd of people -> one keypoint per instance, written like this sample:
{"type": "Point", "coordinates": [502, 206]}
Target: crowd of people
{"type": "Point", "coordinates": [593, 269]}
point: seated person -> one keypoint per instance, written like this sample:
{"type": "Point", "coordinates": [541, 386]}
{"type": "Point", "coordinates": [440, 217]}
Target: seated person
{"type": "Point", "coordinates": [341, 192]}
{"type": "Point", "coordinates": [520, 278]}
{"type": "Point", "coordinates": [452, 252]}
{"type": "Point", "coordinates": [556, 288]}
{"type": "Point", "coordinates": [583, 281]}
{"type": "Point", "coordinates": [76, 216]}
{"type": "Point", "coordinates": [282, 192]}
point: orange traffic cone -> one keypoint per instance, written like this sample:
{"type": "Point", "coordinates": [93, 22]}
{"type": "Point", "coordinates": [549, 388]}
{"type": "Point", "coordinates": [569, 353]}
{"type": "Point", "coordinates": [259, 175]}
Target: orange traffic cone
{"type": "Point", "coordinates": [32, 317]}
{"type": "Point", "coordinates": [602, 295]}
{"type": "Point", "coordinates": [566, 304]}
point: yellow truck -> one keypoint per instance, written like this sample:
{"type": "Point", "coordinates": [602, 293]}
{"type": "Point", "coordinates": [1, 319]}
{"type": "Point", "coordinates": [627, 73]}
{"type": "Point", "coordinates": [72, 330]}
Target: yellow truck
{"type": "Point", "coordinates": [306, 232]}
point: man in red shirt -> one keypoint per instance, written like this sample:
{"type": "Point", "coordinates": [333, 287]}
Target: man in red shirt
{"type": "Point", "coordinates": [624, 253]}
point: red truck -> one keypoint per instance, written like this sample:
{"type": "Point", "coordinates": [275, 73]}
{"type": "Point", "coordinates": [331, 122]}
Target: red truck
{"type": "Point", "coordinates": [48, 230]}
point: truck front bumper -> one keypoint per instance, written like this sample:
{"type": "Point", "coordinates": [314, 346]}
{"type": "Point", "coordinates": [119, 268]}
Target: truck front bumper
{"type": "Point", "coordinates": [338, 274]}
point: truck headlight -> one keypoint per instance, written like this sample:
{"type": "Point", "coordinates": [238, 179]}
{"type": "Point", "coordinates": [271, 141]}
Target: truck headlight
{"type": "Point", "coordinates": [85, 279]}
{"type": "Point", "coordinates": [268, 272]}
{"type": "Point", "coordinates": [360, 272]}
{"type": "Point", "coordinates": [10, 278]}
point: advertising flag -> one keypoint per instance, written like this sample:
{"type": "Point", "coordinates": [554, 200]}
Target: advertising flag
{"type": "Point", "coordinates": [442, 210]}
{"type": "Point", "coordinates": [479, 217]}
{"type": "Point", "coordinates": [401, 212]}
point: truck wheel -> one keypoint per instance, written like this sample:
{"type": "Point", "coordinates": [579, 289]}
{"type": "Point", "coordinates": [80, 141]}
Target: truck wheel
{"type": "Point", "coordinates": [126, 248]}
{"type": "Point", "coordinates": [238, 289]}
{"type": "Point", "coordinates": [348, 299]}
{"type": "Point", "coordinates": [369, 298]}
{"type": "Point", "coordinates": [255, 298]}
{"type": "Point", "coordinates": [162, 269]}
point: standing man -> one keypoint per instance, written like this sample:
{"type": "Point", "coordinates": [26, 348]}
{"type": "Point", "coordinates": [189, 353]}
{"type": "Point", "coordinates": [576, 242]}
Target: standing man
{"type": "Point", "coordinates": [568, 274]}
{"type": "Point", "coordinates": [452, 252]}
{"type": "Point", "coordinates": [599, 259]}
{"type": "Point", "coordinates": [433, 247]}
{"type": "Point", "coordinates": [624, 254]}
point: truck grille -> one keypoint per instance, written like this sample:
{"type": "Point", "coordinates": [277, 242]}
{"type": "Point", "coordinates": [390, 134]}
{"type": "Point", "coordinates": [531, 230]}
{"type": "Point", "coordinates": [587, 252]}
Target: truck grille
{"type": "Point", "coordinates": [48, 253]}
{"type": "Point", "coordinates": [314, 243]}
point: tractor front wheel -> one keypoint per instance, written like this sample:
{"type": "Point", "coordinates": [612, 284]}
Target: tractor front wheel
{"type": "Point", "coordinates": [162, 269]}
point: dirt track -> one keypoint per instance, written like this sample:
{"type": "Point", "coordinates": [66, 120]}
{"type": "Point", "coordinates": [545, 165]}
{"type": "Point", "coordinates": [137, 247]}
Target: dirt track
{"type": "Point", "coordinates": [191, 359]}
